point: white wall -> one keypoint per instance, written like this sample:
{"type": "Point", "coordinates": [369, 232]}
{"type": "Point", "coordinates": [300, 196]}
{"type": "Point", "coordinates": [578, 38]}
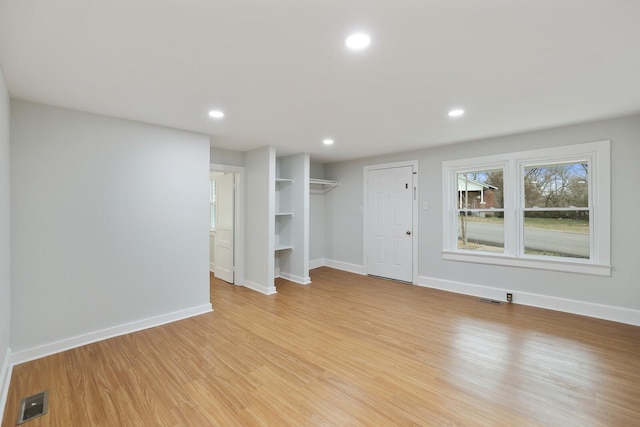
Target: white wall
{"type": "Point", "coordinates": [110, 223]}
{"type": "Point", "coordinates": [316, 228]}
{"type": "Point", "coordinates": [344, 219]}
{"type": "Point", "coordinates": [5, 264]}
{"type": "Point", "coordinates": [259, 220]}
{"type": "Point", "coordinates": [316, 219]}
{"type": "Point", "coordinates": [220, 156]}
{"type": "Point", "coordinates": [316, 170]}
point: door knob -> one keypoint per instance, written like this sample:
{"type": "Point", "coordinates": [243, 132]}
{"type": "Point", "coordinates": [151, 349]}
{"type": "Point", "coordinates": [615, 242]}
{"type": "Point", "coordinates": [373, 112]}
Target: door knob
{"type": "Point", "coordinates": [408, 233]}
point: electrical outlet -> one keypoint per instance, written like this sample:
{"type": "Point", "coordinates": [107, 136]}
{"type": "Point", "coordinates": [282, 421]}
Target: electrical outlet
{"type": "Point", "coordinates": [509, 297]}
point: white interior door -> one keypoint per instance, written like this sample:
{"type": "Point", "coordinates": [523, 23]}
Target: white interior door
{"type": "Point", "coordinates": [223, 247]}
{"type": "Point", "coordinates": [389, 227]}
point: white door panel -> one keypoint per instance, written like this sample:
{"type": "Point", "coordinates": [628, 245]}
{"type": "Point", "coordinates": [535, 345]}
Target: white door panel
{"type": "Point", "coordinates": [223, 257]}
{"type": "Point", "coordinates": [389, 228]}
{"type": "Point", "coordinates": [223, 268]}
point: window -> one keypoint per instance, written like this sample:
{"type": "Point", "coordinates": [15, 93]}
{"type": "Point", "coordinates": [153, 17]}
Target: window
{"type": "Point", "coordinates": [212, 203]}
{"type": "Point", "coordinates": [556, 209]}
{"type": "Point", "coordinates": [547, 209]}
{"type": "Point", "coordinates": [480, 210]}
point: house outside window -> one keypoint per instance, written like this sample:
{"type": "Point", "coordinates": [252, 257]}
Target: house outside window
{"type": "Point", "coordinates": [547, 209]}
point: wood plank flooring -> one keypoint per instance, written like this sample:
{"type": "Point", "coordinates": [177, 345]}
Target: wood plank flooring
{"type": "Point", "coordinates": [347, 350]}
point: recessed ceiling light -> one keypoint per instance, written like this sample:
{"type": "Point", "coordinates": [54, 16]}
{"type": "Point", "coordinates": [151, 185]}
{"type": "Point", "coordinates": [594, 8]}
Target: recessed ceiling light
{"type": "Point", "coordinates": [358, 41]}
{"type": "Point", "coordinates": [456, 113]}
{"type": "Point", "coordinates": [327, 141]}
{"type": "Point", "coordinates": [216, 114]}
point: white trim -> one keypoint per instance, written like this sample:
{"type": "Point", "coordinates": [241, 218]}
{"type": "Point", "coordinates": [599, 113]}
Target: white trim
{"type": "Point", "coordinates": [239, 219]}
{"type": "Point", "coordinates": [259, 288]}
{"type": "Point", "coordinates": [345, 266]}
{"type": "Point", "coordinates": [212, 233]}
{"type": "Point", "coordinates": [316, 263]}
{"type": "Point", "coordinates": [5, 381]}
{"type": "Point", "coordinates": [127, 328]}
{"type": "Point", "coordinates": [598, 155]}
{"type": "Point", "coordinates": [538, 263]}
{"type": "Point", "coordinates": [296, 279]}
{"type": "Point", "coordinates": [414, 212]}
{"type": "Point", "coordinates": [583, 308]}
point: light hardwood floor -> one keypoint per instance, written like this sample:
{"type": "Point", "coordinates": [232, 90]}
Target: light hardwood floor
{"type": "Point", "coordinates": [347, 350]}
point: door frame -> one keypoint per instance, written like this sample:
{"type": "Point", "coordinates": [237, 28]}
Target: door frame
{"type": "Point", "coordinates": [414, 213]}
{"type": "Point", "coordinates": [238, 218]}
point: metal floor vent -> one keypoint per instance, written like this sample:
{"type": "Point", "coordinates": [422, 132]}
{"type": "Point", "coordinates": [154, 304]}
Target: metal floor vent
{"type": "Point", "coordinates": [490, 301]}
{"type": "Point", "coordinates": [33, 407]}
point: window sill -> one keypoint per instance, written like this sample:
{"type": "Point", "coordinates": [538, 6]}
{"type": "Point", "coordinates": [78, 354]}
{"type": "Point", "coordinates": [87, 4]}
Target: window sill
{"type": "Point", "coordinates": [540, 264]}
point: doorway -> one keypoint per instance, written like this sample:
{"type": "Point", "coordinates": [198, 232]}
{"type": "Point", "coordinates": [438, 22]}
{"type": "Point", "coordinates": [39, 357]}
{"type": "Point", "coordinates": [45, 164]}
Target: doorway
{"type": "Point", "coordinates": [227, 223]}
{"type": "Point", "coordinates": [390, 220]}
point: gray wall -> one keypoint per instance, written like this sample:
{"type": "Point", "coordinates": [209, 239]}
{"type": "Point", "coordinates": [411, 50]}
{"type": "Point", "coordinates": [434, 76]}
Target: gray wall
{"type": "Point", "coordinates": [220, 156]}
{"type": "Point", "coordinates": [110, 221]}
{"type": "Point", "coordinates": [5, 264]}
{"type": "Point", "coordinates": [344, 219]}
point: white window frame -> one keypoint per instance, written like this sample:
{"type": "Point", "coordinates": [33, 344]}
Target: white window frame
{"type": "Point", "coordinates": [598, 156]}
{"type": "Point", "coordinates": [212, 203]}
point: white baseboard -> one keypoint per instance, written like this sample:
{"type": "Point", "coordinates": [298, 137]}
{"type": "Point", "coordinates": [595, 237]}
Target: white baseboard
{"type": "Point", "coordinates": [583, 308]}
{"type": "Point", "coordinates": [338, 265]}
{"type": "Point", "coordinates": [345, 266]}
{"type": "Point", "coordinates": [259, 288]}
{"type": "Point", "coordinates": [80, 340]}
{"type": "Point", "coordinates": [5, 380]}
{"type": "Point", "coordinates": [296, 279]}
{"type": "Point", "coordinates": [316, 263]}
{"type": "Point", "coordinates": [212, 267]}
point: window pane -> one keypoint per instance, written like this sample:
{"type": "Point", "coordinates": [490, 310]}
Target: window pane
{"type": "Point", "coordinates": [557, 233]}
{"type": "Point", "coordinates": [480, 189]}
{"type": "Point", "coordinates": [481, 231]}
{"type": "Point", "coordinates": [557, 185]}
{"type": "Point", "coordinates": [212, 203]}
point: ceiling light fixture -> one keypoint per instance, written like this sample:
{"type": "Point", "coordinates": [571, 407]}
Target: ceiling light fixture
{"type": "Point", "coordinates": [216, 114]}
{"type": "Point", "coordinates": [327, 141]}
{"type": "Point", "coordinates": [358, 41]}
{"type": "Point", "coordinates": [456, 113]}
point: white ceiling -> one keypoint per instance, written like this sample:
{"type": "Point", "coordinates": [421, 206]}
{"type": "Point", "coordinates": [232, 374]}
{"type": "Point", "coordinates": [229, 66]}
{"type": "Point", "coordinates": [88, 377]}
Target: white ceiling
{"type": "Point", "coordinates": [281, 73]}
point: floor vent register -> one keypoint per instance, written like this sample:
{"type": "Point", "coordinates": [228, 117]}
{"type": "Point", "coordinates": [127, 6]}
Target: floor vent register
{"type": "Point", "coordinates": [33, 407]}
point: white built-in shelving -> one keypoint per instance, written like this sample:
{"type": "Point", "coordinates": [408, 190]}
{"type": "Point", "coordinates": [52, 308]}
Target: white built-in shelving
{"type": "Point", "coordinates": [283, 214]}
{"type": "Point", "coordinates": [322, 185]}
{"type": "Point", "coordinates": [291, 242]}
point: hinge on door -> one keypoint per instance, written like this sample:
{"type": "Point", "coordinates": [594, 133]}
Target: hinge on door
{"type": "Point", "coordinates": [414, 193]}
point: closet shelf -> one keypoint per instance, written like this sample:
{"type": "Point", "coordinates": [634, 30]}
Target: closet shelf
{"type": "Point", "coordinates": [284, 180]}
{"type": "Point", "coordinates": [284, 248]}
{"type": "Point", "coordinates": [284, 213]}
{"type": "Point", "coordinates": [326, 184]}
